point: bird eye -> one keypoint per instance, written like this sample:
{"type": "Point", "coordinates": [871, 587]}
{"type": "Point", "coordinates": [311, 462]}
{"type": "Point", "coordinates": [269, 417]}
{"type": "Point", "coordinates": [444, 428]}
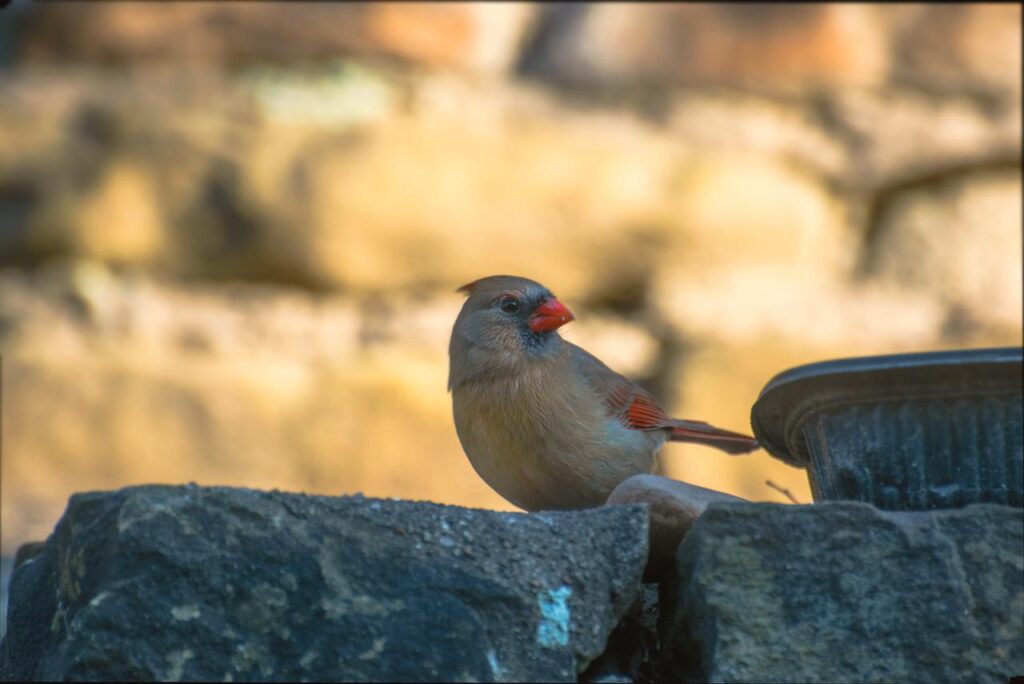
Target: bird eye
{"type": "Point", "coordinates": [509, 305]}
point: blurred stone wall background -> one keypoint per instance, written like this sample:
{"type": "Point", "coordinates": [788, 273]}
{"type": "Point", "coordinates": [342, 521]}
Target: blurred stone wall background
{"type": "Point", "coordinates": [230, 233]}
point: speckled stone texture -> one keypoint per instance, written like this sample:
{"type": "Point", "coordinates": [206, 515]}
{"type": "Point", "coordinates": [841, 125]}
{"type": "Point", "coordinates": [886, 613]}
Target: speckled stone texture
{"type": "Point", "coordinates": [162, 582]}
{"type": "Point", "coordinates": [844, 592]}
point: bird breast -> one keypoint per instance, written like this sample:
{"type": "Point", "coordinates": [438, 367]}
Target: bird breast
{"type": "Point", "coordinates": [545, 441]}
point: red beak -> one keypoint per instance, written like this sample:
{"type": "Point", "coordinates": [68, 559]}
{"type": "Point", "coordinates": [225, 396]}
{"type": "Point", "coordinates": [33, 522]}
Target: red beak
{"type": "Point", "coordinates": [550, 315]}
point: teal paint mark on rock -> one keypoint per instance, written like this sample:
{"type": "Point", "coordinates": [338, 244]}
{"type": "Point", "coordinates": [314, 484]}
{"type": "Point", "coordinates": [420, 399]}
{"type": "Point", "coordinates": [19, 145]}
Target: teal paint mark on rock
{"type": "Point", "coordinates": [492, 660]}
{"type": "Point", "coordinates": [553, 629]}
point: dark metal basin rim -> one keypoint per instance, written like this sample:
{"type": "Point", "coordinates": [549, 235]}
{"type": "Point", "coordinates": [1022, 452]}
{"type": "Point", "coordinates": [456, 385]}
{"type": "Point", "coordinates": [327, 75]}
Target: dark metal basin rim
{"type": "Point", "coordinates": [795, 396]}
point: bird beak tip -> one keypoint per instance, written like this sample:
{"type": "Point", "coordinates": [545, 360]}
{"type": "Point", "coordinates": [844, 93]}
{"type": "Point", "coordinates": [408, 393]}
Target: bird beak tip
{"type": "Point", "coordinates": [550, 315]}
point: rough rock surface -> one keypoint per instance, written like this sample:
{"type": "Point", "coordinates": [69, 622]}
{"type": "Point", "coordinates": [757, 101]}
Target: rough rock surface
{"type": "Point", "coordinates": [844, 592]}
{"type": "Point", "coordinates": [631, 655]}
{"type": "Point", "coordinates": [185, 582]}
{"type": "Point", "coordinates": [674, 507]}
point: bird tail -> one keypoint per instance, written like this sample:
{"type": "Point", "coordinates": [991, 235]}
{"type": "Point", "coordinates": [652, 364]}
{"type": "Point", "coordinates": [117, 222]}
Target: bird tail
{"type": "Point", "coordinates": [703, 433]}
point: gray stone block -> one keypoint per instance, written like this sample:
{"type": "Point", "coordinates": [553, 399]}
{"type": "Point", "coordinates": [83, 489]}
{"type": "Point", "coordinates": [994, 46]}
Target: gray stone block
{"type": "Point", "coordinates": [226, 584]}
{"type": "Point", "coordinates": [844, 592]}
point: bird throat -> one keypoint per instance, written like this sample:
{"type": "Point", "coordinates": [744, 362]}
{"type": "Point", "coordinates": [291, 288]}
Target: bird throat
{"type": "Point", "coordinates": [538, 343]}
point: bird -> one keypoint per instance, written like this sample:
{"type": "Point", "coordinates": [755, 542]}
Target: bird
{"type": "Point", "coordinates": [545, 423]}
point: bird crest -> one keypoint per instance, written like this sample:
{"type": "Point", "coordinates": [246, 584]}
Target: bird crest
{"type": "Point", "coordinates": [468, 287]}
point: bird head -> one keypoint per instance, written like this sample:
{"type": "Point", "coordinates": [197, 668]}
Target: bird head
{"type": "Point", "coordinates": [506, 321]}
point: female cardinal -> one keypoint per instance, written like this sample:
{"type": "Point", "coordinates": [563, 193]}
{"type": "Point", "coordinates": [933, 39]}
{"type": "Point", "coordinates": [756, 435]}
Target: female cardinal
{"type": "Point", "coordinates": [545, 423]}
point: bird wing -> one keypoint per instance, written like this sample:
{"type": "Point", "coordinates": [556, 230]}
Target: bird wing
{"type": "Point", "coordinates": [637, 408]}
{"type": "Point", "coordinates": [625, 400]}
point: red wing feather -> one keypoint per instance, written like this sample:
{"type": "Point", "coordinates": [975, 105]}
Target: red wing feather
{"type": "Point", "coordinates": [636, 409]}
{"type": "Point", "coordinates": [645, 414]}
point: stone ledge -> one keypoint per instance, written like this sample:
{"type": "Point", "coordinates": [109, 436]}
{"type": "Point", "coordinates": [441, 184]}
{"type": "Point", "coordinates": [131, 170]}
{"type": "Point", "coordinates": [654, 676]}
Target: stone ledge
{"type": "Point", "coordinates": [844, 592]}
{"type": "Point", "coordinates": [187, 582]}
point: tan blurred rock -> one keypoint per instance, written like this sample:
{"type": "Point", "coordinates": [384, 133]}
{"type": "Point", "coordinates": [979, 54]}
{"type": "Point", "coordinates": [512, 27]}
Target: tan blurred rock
{"type": "Point", "coordinates": [121, 221]}
{"type": "Point", "coordinates": [808, 307]}
{"type": "Point", "coordinates": [768, 252]}
{"type": "Point", "coordinates": [748, 123]}
{"type": "Point", "coordinates": [673, 508]}
{"type": "Point", "coordinates": [742, 207]}
{"type": "Point", "coordinates": [959, 47]}
{"type": "Point", "coordinates": [534, 198]}
{"type": "Point", "coordinates": [905, 135]}
{"type": "Point", "coordinates": [761, 249]}
{"type": "Point", "coordinates": [483, 177]}
{"type": "Point", "coordinates": [959, 240]}
{"type": "Point", "coordinates": [860, 140]}
{"type": "Point", "coordinates": [249, 192]}
{"type": "Point", "coordinates": [475, 36]}
{"type": "Point", "coordinates": [722, 44]}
